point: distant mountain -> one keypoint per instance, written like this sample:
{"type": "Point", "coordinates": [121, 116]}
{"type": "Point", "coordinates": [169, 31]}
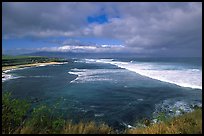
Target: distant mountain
{"type": "Point", "coordinates": [82, 55]}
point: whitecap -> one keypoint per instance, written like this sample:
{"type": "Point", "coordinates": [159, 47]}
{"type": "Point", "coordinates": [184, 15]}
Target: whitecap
{"type": "Point", "coordinates": [173, 108]}
{"type": "Point", "coordinates": [91, 75]}
{"type": "Point", "coordinates": [184, 77]}
{"type": "Point", "coordinates": [93, 106]}
{"type": "Point", "coordinates": [99, 115]}
{"type": "Point", "coordinates": [6, 77]}
{"type": "Point", "coordinates": [140, 99]}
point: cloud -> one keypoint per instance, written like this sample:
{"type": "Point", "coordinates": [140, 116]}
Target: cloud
{"type": "Point", "coordinates": [155, 27]}
{"type": "Point", "coordinates": [45, 19]}
{"type": "Point", "coordinates": [143, 27]}
{"type": "Point", "coordinates": [160, 25]}
{"type": "Point", "coordinates": [84, 48]}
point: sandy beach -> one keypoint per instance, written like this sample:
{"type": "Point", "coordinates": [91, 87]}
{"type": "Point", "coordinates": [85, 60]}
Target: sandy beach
{"type": "Point", "coordinates": [29, 65]}
{"type": "Point", "coordinates": [5, 69]}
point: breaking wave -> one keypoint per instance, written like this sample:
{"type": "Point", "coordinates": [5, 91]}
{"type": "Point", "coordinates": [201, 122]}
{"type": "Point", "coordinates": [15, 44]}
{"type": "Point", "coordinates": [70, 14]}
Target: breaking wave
{"type": "Point", "coordinates": [181, 76]}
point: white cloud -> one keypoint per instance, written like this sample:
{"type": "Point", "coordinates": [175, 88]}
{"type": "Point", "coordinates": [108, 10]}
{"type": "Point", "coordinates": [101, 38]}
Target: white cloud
{"type": "Point", "coordinates": [90, 48]}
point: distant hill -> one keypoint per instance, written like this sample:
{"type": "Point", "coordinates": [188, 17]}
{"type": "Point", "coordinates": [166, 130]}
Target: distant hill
{"type": "Point", "coordinates": [83, 55]}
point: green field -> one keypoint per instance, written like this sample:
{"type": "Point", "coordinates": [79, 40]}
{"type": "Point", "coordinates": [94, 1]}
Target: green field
{"type": "Point", "coordinates": [22, 60]}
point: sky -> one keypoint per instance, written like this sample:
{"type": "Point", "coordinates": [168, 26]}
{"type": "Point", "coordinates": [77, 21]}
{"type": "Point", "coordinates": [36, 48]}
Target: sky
{"type": "Point", "coordinates": [150, 28]}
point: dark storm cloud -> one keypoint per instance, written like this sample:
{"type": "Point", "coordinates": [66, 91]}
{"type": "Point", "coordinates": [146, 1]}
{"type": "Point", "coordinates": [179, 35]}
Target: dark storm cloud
{"type": "Point", "coordinates": [170, 27]}
{"type": "Point", "coordinates": [45, 19]}
{"type": "Point", "coordinates": [151, 28]}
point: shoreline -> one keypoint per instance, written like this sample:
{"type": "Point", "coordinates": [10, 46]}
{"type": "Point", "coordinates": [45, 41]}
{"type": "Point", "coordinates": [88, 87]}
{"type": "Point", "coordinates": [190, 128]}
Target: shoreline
{"type": "Point", "coordinates": [6, 69]}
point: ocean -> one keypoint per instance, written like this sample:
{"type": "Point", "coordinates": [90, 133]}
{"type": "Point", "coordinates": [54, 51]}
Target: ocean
{"type": "Point", "coordinates": [117, 91]}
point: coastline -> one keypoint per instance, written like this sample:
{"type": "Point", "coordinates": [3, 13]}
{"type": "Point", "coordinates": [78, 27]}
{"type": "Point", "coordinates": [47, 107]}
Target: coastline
{"type": "Point", "coordinates": [5, 69]}
{"type": "Point", "coordinates": [29, 65]}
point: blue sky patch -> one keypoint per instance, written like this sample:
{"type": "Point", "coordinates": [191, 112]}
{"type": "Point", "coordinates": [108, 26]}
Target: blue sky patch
{"type": "Point", "coordinates": [98, 19]}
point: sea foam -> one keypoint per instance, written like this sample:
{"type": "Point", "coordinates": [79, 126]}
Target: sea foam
{"type": "Point", "coordinates": [90, 75]}
{"type": "Point", "coordinates": [6, 77]}
{"type": "Point", "coordinates": [184, 77]}
{"type": "Point", "coordinates": [173, 108]}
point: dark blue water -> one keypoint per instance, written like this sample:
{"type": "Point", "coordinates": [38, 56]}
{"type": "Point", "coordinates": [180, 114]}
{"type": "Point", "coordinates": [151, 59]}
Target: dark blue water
{"type": "Point", "coordinates": [101, 91]}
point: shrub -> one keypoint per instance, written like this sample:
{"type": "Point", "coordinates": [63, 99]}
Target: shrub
{"type": "Point", "coordinates": [42, 120]}
{"type": "Point", "coordinates": [189, 123]}
{"type": "Point", "coordinates": [13, 113]}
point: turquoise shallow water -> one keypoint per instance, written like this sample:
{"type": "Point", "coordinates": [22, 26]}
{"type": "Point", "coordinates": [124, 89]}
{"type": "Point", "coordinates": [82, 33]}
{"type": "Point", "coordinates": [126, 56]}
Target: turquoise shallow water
{"type": "Point", "coordinates": [108, 90]}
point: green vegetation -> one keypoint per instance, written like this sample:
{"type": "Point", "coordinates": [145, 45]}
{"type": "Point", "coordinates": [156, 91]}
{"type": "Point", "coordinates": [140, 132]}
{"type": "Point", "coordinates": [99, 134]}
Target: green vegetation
{"type": "Point", "coordinates": [7, 57]}
{"type": "Point", "coordinates": [13, 113]}
{"type": "Point", "coordinates": [22, 60]}
{"type": "Point", "coordinates": [189, 123]}
{"type": "Point", "coordinates": [41, 120]}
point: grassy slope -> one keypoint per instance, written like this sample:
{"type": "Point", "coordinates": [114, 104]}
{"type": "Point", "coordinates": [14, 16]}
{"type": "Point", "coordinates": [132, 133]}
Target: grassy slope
{"type": "Point", "coordinates": [189, 123]}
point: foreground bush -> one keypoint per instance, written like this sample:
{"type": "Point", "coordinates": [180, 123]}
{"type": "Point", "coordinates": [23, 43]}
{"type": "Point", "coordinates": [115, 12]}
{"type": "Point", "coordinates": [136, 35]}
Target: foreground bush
{"type": "Point", "coordinates": [13, 113]}
{"type": "Point", "coordinates": [189, 123]}
{"type": "Point", "coordinates": [42, 121]}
